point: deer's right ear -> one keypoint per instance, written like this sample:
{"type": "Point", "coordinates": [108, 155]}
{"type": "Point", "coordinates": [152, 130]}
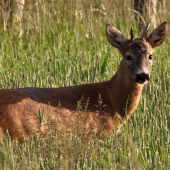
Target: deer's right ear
{"type": "Point", "coordinates": [115, 37]}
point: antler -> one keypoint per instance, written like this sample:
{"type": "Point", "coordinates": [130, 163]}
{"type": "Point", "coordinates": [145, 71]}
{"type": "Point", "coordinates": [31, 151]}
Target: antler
{"type": "Point", "coordinates": [131, 33]}
{"type": "Point", "coordinates": [146, 31]}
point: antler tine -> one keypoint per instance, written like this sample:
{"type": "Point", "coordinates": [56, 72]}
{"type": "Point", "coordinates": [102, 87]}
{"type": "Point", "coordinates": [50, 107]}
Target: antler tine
{"type": "Point", "coordinates": [146, 31]}
{"type": "Point", "coordinates": [131, 33]}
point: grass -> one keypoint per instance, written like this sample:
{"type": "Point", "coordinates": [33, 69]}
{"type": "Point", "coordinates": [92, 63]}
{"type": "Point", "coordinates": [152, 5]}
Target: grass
{"type": "Point", "coordinates": [65, 46]}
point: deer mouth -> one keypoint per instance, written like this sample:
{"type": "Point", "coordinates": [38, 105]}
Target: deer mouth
{"type": "Point", "coordinates": [142, 78]}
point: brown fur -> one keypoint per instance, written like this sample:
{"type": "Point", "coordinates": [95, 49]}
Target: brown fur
{"type": "Point", "coordinates": [99, 103]}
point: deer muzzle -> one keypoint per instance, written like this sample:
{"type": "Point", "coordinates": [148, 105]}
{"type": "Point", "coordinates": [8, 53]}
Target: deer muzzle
{"type": "Point", "coordinates": [142, 78]}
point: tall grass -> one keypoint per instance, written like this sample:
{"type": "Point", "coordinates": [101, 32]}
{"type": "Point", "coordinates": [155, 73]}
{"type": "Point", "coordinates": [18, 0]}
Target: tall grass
{"type": "Point", "coordinates": [63, 44]}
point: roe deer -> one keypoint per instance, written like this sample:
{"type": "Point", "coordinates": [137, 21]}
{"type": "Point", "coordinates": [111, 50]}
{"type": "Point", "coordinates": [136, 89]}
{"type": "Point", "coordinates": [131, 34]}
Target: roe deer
{"type": "Point", "coordinates": [19, 108]}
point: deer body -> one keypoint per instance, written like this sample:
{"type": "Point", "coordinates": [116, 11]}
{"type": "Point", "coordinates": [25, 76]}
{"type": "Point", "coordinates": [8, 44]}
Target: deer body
{"type": "Point", "coordinates": [19, 108]}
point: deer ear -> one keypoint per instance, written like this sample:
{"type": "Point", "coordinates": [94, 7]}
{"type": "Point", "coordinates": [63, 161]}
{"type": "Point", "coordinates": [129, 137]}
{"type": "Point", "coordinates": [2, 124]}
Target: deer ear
{"type": "Point", "coordinates": [158, 36]}
{"type": "Point", "coordinates": [115, 37]}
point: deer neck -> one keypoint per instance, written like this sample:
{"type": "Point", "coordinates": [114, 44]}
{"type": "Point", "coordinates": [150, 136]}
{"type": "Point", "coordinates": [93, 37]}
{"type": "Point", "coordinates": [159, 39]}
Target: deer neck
{"type": "Point", "coordinates": [124, 92]}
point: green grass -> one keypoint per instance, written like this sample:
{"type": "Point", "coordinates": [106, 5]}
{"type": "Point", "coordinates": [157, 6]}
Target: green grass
{"type": "Point", "coordinates": [63, 47]}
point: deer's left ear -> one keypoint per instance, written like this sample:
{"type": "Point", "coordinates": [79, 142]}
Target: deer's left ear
{"type": "Point", "coordinates": [158, 36]}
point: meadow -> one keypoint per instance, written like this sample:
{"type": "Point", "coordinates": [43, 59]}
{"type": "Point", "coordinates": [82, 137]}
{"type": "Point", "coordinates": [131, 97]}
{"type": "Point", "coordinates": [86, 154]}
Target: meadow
{"type": "Point", "coordinates": [65, 44]}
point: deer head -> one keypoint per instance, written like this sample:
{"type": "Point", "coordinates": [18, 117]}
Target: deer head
{"type": "Point", "coordinates": [137, 53]}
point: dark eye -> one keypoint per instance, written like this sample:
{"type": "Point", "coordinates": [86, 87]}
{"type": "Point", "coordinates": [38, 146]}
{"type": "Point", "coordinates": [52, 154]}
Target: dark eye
{"type": "Point", "coordinates": [150, 57]}
{"type": "Point", "coordinates": [128, 57]}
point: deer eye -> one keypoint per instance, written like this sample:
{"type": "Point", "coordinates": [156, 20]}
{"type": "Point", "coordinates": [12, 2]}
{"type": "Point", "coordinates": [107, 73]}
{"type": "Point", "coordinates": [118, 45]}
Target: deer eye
{"type": "Point", "coordinates": [150, 57]}
{"type": "Point", "coordinates": [128, 57]}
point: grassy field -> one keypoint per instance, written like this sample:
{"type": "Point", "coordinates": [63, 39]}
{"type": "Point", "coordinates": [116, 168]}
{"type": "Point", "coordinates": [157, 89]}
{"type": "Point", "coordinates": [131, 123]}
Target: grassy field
{"type": "Point", "coordinates": [65, 44]}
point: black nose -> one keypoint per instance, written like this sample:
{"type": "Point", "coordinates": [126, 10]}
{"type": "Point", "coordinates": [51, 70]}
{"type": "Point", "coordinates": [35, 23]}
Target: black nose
{"type": "Point", "coordinates": [141, 78]}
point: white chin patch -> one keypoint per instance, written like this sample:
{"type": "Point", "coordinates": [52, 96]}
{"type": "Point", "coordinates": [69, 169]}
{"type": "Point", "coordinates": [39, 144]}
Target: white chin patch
{"type": "Point", "coordinates": [146, 82]}
{"type": "Point", "coordinates": [141, 82]}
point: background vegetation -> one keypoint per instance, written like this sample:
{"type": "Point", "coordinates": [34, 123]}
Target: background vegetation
{"type": "Point", "coordinates": [63, 44]}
